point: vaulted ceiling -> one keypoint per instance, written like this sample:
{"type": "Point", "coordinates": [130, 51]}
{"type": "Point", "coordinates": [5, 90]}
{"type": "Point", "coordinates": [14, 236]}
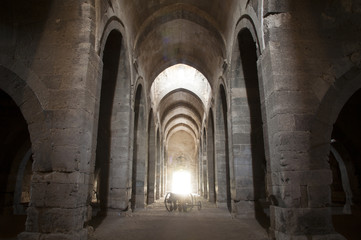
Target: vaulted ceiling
{"type": "Point", "coordinates": [168, 32]}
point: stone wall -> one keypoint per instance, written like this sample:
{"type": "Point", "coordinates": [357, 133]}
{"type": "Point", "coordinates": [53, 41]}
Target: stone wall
{"type": "Point", "coordinates": [301, 60]}
{"type": "Point", "coordinates": [288, 68]}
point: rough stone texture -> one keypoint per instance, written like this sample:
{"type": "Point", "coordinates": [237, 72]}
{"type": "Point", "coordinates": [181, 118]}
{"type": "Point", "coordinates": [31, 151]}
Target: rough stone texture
{"type": "Point", "coordinates": [284, 77]}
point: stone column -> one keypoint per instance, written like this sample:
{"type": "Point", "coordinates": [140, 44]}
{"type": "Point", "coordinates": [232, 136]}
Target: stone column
{"type": "Point", "coordinates": [67, 64]}
{"type": "Point", "coordinates": [299, 188]}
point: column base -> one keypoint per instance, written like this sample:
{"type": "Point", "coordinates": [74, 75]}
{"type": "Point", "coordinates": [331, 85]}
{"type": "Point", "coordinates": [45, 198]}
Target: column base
{"type": "Point", "coordinates": [244, 209]}
{"type": "Point", "coordinates": [283, 236]}
{"type": "Point", "coordinates": [81, 235]}
{"type": "Point", "coordinates": [222, 205]}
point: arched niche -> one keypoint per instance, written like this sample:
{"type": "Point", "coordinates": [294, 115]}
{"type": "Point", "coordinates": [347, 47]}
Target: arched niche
{"type": "Point", "coordinates": [139, 166]}
{"type": "Point", "coordinates": [222, 164]}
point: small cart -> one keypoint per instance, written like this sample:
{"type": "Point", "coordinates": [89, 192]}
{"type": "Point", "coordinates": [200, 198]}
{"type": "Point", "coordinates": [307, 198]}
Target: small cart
{"type": "Point", "coordinates": [180, 202]}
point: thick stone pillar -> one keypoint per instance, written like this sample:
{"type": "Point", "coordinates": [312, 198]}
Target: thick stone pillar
{"type": "Point", "coordinates": [67, 64]}
{"type": "Point", "coordinates": [299, 188]}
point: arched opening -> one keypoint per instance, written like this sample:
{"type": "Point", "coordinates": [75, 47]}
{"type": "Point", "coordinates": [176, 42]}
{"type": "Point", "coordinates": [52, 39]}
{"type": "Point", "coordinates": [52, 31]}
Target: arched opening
{"type": "Point", "coordinates": [139, 178]}
{"type": "Point", "coordinates": [106, 126]}
{"type": "Point", "coordinates": [200, 167]}
{"type": "Point", "coordinates": [158, 168]}
{"type": "Point", "coordinates": [250, 110]}
{"type": "Point", "coordinates": [15, 168]}
{"type": "Point", "coordinates": [182, 162]}
{"type": "Point", "coordinates": [151, 160]}
{"type": "Point", "coordinates": [210, 159]}
{"type": "Point", "coordinates": [345, 165]}
{"type": "Point", "coordinates": [179, 95]}
{"type": "Point", "coordinates": [163, 168]}
{"type": "Point", "coordinates": [222, 166]}
{"type": "Point", "coordinates": [204, 165]}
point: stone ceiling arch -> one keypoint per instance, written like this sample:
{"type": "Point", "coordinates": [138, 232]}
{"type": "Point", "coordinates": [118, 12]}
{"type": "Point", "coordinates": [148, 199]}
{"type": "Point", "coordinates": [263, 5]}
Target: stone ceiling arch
{"type": "Point", "coordinates": [181, 115]}
{"type": "Point", "coordinates": [179, 128]}
{"type": "Point", "coordinates": [179, 27]}
{"type": "Point", "coordinates": [181, 98]}
{"type": "Point", "coordinates": [184, 111]}
{"type": "Point", "coordinates": [178, 11]}
{"type": "Point", "coordinates": [183, 122]}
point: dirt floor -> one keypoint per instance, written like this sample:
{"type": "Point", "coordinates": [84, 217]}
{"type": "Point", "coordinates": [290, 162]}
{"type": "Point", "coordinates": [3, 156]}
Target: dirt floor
{"type": "Point", "coordinates": [156, 223]}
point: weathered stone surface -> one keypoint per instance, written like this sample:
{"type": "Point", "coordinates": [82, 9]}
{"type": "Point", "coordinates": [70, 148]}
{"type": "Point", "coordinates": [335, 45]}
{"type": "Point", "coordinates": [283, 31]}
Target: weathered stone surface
{"type": "Point", "coordinates": [80, 76]}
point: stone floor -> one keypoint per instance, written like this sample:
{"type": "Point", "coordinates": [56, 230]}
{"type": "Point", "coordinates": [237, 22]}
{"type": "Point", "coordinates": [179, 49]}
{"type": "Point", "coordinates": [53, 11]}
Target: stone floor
{"type": "Point", "coordinates": [156, 223]}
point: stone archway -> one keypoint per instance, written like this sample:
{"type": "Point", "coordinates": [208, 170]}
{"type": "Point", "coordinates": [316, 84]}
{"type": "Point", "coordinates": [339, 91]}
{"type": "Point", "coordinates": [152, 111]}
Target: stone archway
{"type": "Point", "coordinates": [212, 197]}
{"type": "Point", "coordinates": [247, 130]}
{"type": "Point", "coordinates": [204, 165]}
{"type": "Point", "coordinates": [113, 111]}
{"type": "Point", "coordinates": [346, 170]}
{"type": "Point", "coordinates": [139, 176]}
{"type": "Point", "coordinates": [151, 172]}
{"type": "Point", "coordinates": [222, 164]}
{"type": "Point", "coordinates": [325, 131]}
{"type": "Point", "coordinates": [22, 121]}
{"type": "Point", "coordinates": [158, 167]}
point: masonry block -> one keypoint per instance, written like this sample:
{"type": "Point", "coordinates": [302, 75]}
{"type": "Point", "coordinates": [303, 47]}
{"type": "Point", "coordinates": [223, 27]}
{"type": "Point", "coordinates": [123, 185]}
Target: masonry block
{"type": "Point", "coordinates": [244, 209]}
{"type": "Point", "coordinates": [302, 221]}
{"type": "Point", "coordinates": [319, 196]}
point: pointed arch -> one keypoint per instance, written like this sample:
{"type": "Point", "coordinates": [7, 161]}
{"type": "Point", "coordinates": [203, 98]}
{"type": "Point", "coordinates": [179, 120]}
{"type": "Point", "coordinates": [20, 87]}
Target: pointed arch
{"type": "Point", "coordinates": [139, 166]}
{"type": "Point", "coordinates": [211, 158]}
{"type": "Point", "coordinates": [151, 173]}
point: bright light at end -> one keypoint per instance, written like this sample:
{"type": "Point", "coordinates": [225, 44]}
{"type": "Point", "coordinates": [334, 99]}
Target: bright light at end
{"type": "Point", "coordinates": [181, 182]}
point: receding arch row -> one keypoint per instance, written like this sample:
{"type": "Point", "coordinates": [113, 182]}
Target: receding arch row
{"type": "Point", "coordinates": [181, 111]}
{"type": "Point", "coordinates": [174, 129]}
{"type": "Point", "coordinates": [176, 48]}
{"type": "Point", "coordinates": [179, 128]}
{"type": "Point", "coordinates": [182, 117]}
{"type": "Point", "coordinates": [179, 105]}
{"type": "Point", "coordinates": [181, 96]}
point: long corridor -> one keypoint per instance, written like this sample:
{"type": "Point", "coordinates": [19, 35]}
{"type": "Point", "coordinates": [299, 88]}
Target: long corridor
{"type": "Point", "coordinates": [155, 222]}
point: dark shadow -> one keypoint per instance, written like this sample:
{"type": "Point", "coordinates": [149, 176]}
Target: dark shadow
{"type": "Point", "coordinates": [346, 140]}
{"type": "Point", "coordinates": [135, 148]}
{"type": "Point", "coordinates": [151, 160]}
{"type": "Point", "coordinates": [226, 150]}
{"type": "Point", "coordinates": [14, 136]}
{"type": "Point", "coordinates": [211, 159]}
{"type": "Point", "coordinates": [248, 54]}
{"type": "Point", "coordinates": [204, 173]}
{"type": "Point", "coordinates": [109, 78]}
{"type": "Point", "coordinates": [157, 172]}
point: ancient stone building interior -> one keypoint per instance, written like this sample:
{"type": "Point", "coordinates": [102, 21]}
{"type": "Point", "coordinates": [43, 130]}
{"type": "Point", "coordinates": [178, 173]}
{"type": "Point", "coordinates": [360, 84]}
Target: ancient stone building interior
{"type": "Point", "coordinates": [253, 106]}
